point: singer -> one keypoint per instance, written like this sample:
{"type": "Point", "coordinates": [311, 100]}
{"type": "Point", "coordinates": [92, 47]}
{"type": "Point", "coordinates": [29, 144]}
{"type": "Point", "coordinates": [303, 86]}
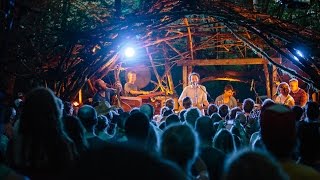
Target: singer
{"type": "Point", "coordinates": [196, 92]}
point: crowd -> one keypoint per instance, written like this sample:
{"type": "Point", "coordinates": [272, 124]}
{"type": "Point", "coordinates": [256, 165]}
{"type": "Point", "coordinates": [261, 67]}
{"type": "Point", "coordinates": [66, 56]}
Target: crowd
{"type": "Point", "coordinates": [44, 137]}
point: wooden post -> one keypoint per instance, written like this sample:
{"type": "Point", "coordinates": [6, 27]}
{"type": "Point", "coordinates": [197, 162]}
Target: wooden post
{"type": "Point", "coordinates": [189, 37]}
{"type": "Point", "coordinates": [155, 70]}
{"type": "Point", "coordinates": [188, 69]}
{"type": "Point", "coordinates": [184, 76]}
{"type": "Point", "coordinates": [267, 75]}
{"type": "Point", "coordinates": [275, 80]}
{"type": "Point", "coordinates": [169, 76]}
{"type": "Point", "coordinates": [80, 96]}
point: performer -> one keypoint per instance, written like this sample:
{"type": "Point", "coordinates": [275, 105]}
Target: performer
{"type": "Point", "coordinates": [196, 92]}
{"type": "Point", "coordinates": [284, 97]}
{"type": "Point", "coordinates": [104, 93]}
{"type": "Point", "coordinates": [227, 97]}
{"type": "Point", "coordinates": [299, 95]}
{"type": "Point", "coordinates": [130, 88]}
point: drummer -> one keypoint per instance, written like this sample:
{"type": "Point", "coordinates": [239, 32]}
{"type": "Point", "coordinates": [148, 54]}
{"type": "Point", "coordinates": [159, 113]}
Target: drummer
{"type": "Point", "coordinates": [130, 88]}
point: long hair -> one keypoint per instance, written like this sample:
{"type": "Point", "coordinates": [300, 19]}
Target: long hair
{"type": "Point", "coordinates": [44, 143]}
{"type": "Point", "coordinates": [285, 87]}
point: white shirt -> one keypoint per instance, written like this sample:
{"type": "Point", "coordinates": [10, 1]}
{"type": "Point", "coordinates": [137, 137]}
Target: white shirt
{"type": "Point", "coordinates": [197, 94]}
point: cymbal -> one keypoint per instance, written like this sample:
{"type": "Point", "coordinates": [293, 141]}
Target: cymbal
{"type": "Point", "coordinates": [143, 75]}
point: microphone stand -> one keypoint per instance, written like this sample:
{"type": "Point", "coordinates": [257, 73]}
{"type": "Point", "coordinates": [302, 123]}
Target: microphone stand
{"type": "Point", "coordinates": [205, 92]}
{"type": "Point", "coordinates": [256, 94]}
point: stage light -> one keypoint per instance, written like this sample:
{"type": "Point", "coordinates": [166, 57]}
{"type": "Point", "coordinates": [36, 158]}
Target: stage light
{"type": "Point", "coordinates": [129, 52]}
{"type": "Point", "coordinates": [299, 53]}
{"type": "Point", "coordinates": [75, 104]}
{"type": "Point", "coordinates": [295, 58]}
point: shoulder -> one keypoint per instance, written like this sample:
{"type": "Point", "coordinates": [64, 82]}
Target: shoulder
{"type": "Point", "coordinates": [187, 87]}
{"type": "Point", "coordinates": [219, 97]}
{"type": "Point", "coordinates": [290, 97]}
{"type": "Point", "coordinates": [203, 87]}
{"type": "Point", "coordinates": [302, 91]}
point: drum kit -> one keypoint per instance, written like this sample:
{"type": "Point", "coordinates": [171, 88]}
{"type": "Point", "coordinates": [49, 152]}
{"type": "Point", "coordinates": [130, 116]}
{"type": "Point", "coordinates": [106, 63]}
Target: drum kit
{"type": "Point", "coordinates": [157, 99]}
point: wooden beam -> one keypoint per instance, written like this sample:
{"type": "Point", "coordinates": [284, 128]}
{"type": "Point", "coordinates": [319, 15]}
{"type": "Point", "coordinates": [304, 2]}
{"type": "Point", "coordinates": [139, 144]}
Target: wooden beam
{"type": "Point", "coordinates": [212, 62]}
{"type": "Point", "coordinates": [189, 37]}
{"type": "Point", "coordinates": [222, 62]}
{"type": "Point", "coordinates": [155, 70]}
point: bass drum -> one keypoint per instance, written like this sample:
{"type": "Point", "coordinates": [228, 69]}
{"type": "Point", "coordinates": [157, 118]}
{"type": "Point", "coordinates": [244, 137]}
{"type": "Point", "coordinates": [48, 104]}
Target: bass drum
{"type": "Point", "coordinates": [143, 75]}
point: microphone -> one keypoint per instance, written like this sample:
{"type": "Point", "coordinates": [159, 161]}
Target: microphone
{"type": "Point", "coordinates": [251, 86]}
{"type": "Point", "coordinates": [194, 84]}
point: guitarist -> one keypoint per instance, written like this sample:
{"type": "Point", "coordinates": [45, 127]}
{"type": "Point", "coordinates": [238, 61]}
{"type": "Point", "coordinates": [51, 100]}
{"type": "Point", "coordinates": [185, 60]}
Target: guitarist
{"type": "Point", "coordinates": [130, 88]}
{"type": "Point", "coordinates": [104, 93]}
{"type": "Point", "coordinates": [196, 92]}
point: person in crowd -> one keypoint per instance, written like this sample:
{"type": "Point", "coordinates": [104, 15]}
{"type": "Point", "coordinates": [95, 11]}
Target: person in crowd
{"type": "Point", "coordinates": [191, 116]}
{"type": "Point", "coordinates": [148, 110]}
{"type": "Point", "coordinates": [247, 106]}
{"type": "Point", "coordinates": [140, 133]}
{"type": "Point", "coordinates": [227, 97]}
{"type": "Point", "coordinates": [309, 144]}
{"type": "Point", "coordinates": [257, 135]}
{"type": "Point", "coordinates": [165, 112]}
{"type": "Point", "coordinates": [6, 173]}
{"type": "Point", "coordinates": [253, 164]}
{"type": "Point", "coordinates": [119, 135]}
{"type": "Point", "coordinates": [172, 119]}
{"type": "Point", "coordinates": [186, 102]}
{"type": "Point", "coordinates": [212, 157]}
{"type": "Point", "coordinates": [89, 119]}
{"type": "Point", "coordinates": [312, 112]}
{"type": "Point", "coordinates": [215, 117]}
{"type": "Point", "coordinates": [224, 111]}
{"type": "Point", "coordinates": [130, 88]}
{"type": "Point", "coordinates": [101, 128]}
{"type": "Point", "coordinates": [116, 161]}
{"type": "Point", "coordinates": [170, 103]}
{"type": "Point", "coordinates": [42, 150]}
{"type": "Point", "coordinates": [181, 115]}
{"type": "Point", "coordinates": [224, 141]}
{"type": "Point", "coordinates": [252, 118]}
{"type": "Point", "coordinates": [212, 108]}
{"type": "Point", "coordinates": [76, 132]}
{"type": "Point", "coordinates": [196, 92]}
{"type": "Point", "coordinates": [67, 108]}
{"type": "Point", "coordinates": [299, 95]}
{"type": "Point", "coordinates": [279, 135]}
{"type": "Point", "coordinates": [184, 151]}
{"type": "Point", "coordinates": [299, 113]}
{"type": "Point", "coordinates": [284, 97]}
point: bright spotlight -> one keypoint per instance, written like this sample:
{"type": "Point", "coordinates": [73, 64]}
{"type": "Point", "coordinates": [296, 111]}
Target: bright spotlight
{"type": "Point", "coordinates": [295, 58]}
{"type": "Point", "coordinates": [129, 52]}
{"type": "Point", "coordinates": [299, 53]}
